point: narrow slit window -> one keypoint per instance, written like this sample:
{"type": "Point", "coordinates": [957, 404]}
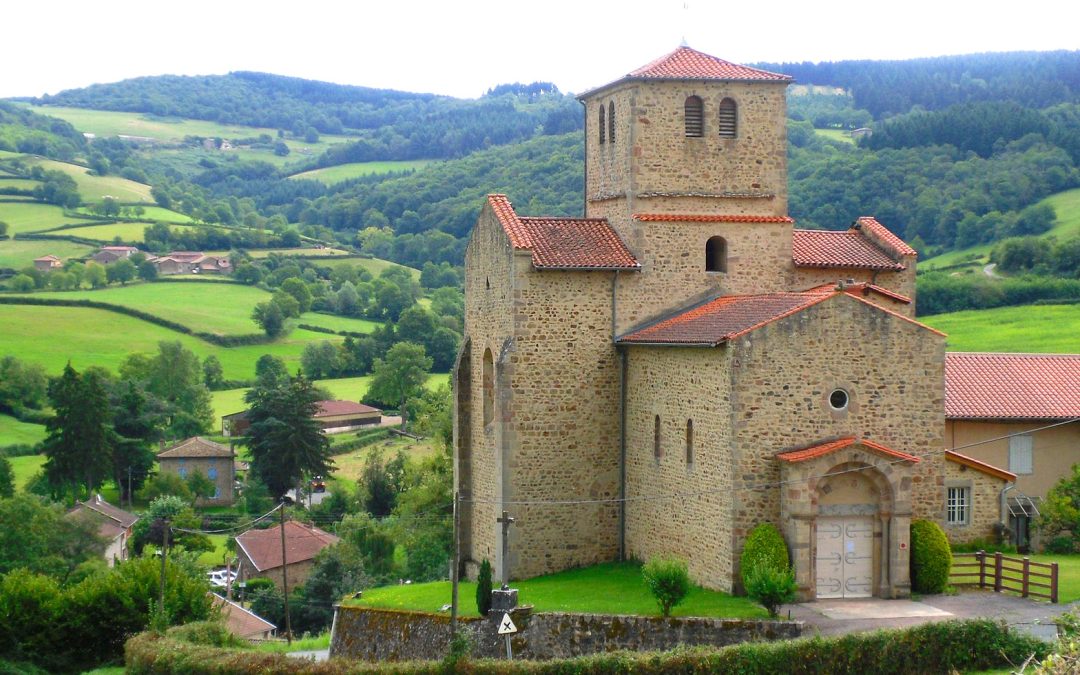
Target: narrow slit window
{"type": "Point", "coordinates": [728, 118]}
{"type": "Point", "coordinates": [611, 121]}
{"type": "Point", "coordinates": [716, 255]}
{"type": "Point", "coordinates": [694, 112]}
{"type": "Point", "coordinates": [603, 126]}
{"type": "Point", "coordinates": [656, 437]}
{"type": "Point", "coordinates": [689, 442]}
{"type": "Point", "coordinates": [489, 387]}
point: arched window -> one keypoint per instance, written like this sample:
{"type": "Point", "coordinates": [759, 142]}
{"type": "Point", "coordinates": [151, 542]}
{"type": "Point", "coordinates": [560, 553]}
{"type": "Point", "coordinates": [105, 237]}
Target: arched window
{"type": "Point", "coordinates": [689, 442]}
{"type": "Point", "coordinates": [656, 437]}
{"type": "Point", "coordinates": [489, 387]}
{"type": "Point", "coordinates": [611, 121]}
{"type": "Point", "coordinates": [695, 117]}
{"type": "Point", "coordinates": [728, 118]}
{"type": "Point", "coordinates": [716, 255]}
{"type": "Point", "coordinates": [603, 125]}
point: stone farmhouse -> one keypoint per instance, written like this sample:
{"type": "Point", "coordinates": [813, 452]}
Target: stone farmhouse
{"type": "Point", "coordinates": [109, 254]}
{"type": "Point", "coordinates": [682, 363]}
{"type": "Point", "coordinates": [260, 552]}
{"type": "Point", "coordinates": [191, 262]}
{"type": "Point", "coordinates": [213, 460]}
{"type": "Point", "coordinates": [48, 263]}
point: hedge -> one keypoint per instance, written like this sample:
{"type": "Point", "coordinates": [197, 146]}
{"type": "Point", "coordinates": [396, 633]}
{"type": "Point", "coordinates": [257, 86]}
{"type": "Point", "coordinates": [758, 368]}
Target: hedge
{"type": "Point", "coordinates": [979, 644]}
{"type": "Point", "coordinates": [363, 439]}
{"type": "Point", "coordinates": [764, 546]}
{"type": "Point", "coordinates": [931, 557]}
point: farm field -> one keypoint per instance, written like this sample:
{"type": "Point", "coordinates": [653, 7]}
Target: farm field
{"type": "Point", "coordinates": [19, 183]}
{"type": "Point", "coordinates": [32, 216]}
{"type": "Point", "coordinates": [840, 135]}
{"type": "Point", "coordinates": [1065, 204]}
{"type": "Point", "coordinates": [19, 253]}
{"type": "Point", "coordinates": [313, 253]}
{"type": "Point", "coordinates": [24, 468]}
{"type": "Point", "coordinates": [1034, 328]}
{"type": "Point", "coordinates": [153, 213]}
{"type": "Point", "coordinates": [373, 265]}
{"type": "Point", "coordinates": [16, 432]}
{"type": "Point", "coordinates": [96, 188]}
{"type": "Point", "coordinates": [339, 323]}
{"type": "Point", "coordinates": [343, 172]}
{"type": "Point", "coordinates": [128, 232]}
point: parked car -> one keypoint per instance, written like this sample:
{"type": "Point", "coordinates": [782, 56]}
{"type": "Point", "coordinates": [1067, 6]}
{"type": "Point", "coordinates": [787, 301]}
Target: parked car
{"type": "Point", "coordinates": [221, 578]}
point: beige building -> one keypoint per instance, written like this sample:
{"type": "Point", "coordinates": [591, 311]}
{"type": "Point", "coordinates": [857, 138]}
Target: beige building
{"type": "Point", "coordinates": [213, 460]}
{"type": "Point", "coordinates": [114, 526]}
{"type": "Point", "coordinates": [260, 552]}
{"type": "Point", "coordinates": [682, 363]}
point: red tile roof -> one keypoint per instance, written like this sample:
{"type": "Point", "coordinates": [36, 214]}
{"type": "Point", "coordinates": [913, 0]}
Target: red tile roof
{"type": "Point", "coordinates": [1012, 386]}
{"type": "Point", "coordinates": [328, 408]}
{"type": "Point", "coordinates": [848, 249]}
{"type": "Point", "coordinates": [564, 243]}
{"type": "Point", "coordinates": [702, 218]}
{"type": "Point", "coordinates": [689, 64]}
{"type": "Point", "coordinates": [821, 449]}
{"type": "Point", "coordinates": [725, 318]}
{"type": "Point", "coordinates": [263, 547]}
{"type": "Point", "coordinates": [242, 622]}
{"type": "Point", "coordinates": [884, 237]}
{"type": "Point", "coordinates": [196, 447]}
{"type": "Point", "coordinates": [863, 288]}
{"type": "Point", "coordinates": [973, 463]}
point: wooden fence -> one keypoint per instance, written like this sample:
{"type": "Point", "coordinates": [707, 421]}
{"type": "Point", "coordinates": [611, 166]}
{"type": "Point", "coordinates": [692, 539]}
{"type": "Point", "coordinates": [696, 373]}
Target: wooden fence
{"type": "Point", "coordinates": [1004, 573]}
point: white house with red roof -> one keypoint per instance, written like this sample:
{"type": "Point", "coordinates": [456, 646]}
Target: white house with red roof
{"type": "Point", "coordinates": [683, 364]}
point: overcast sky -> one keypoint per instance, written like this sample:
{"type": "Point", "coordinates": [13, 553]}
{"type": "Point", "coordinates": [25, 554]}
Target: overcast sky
{"type": "Point", "coordinates": [462, 48]}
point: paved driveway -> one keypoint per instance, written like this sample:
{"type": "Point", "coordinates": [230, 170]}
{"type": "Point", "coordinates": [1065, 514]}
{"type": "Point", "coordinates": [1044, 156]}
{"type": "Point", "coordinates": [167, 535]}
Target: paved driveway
{"type": "Point", "coordinates": [836, 617]}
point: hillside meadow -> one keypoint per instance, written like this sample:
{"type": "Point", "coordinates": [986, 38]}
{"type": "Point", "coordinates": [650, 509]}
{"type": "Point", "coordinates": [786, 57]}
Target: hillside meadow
{"type": "Point", "coordinates": [20, 253]}
{"type": "Point", "coordinates": [95, 188]}
{"type": "Point", "coordinates": [23, 217]}
{"type": "Point", "coordinates": [131, 233]}
{"type": "Point", "coordinates": [15, 432]}
{"type": "Point", "coordinates": [332, 175]}
{"type": "Point", "coordinates": [155, 214]}
{"type": "Point", "coordinates": [1033, 328]}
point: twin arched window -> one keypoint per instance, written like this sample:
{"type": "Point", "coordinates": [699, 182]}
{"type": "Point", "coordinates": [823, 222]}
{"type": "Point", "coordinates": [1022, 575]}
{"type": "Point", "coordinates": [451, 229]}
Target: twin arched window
{"type": "Point", "coordinates": [607, 123]}
{"type": "Point", "coordinates": [603, 124]}
{"type": "Point", "coordinates": [694, 116]}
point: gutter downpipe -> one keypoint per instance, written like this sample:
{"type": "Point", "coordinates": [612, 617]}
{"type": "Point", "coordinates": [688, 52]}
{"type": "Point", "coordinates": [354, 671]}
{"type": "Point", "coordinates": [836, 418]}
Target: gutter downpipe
{"type": "Point", "coordinates": [622, 419]}
{"type": "Point", "coordinates": [1003, 504]}
{"type": "Point", "coordinates": [585, 130]}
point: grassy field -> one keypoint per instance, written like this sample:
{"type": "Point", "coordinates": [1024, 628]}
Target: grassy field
{"type": "Point", "coordinates": [1068, 574]}
{"type": "Point", "coordinates": [96, 188]}
{"type": "Point", "coordinates": [32, 216]}
{"type": "Point", "coordinates": [24, 468]}
{"type": "Point", "coordinates": [307, 253]}
{"type": "Point", "coordinates": [373, 265]}
{"type": "Point", "coordinates": [215, 558]}
{"type": "Point", "coordinates": [349, 467]}
{"type": "Point", "coordinates": [609, 588]}
{"type": "Point", "coordinates": [128, 232]}
{"type": "Point", "coordinates": [20, 183]}
{"type": "Point", "coordinates": [840, 135]}
{"type": "Point", "coordinates": [1067, 207]}
{"type": "Point", "coordinates": [1011, 329]}
{"type": "Point", "coordinates": [15, 432]}
{"type": "Point", "coordinates": [343, 172]}
{"type": "Point", "coordinates": [343, 323]}
{"type": "Point", "coordinates": [19, 253]}
{"type": "Point", "coordinates": [154, 213]}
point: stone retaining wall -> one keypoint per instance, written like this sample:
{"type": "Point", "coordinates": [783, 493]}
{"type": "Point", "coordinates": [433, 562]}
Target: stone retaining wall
{"type": "Point", "coordinates": [394, 635]}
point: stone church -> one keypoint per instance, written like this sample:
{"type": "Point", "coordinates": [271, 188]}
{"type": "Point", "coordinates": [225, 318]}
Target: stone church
{"type": "Point", "coordinates": [683, 363]}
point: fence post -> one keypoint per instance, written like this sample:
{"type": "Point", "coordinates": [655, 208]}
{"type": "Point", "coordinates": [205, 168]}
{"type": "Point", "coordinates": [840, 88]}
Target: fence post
{"type": "Point", "coordinates": [997, 572]}
{"type": "Point", "coordinates": [981, 557]}
{"type": "Point", "coordinates": [1027, 571]}
{"type": "Point", "coordinates": [1054, 583]}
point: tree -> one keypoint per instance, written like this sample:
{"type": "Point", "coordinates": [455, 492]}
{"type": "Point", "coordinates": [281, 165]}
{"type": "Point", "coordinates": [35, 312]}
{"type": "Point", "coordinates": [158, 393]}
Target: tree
{"type": "Point", "coordinates": [80, 439]}
{"type": "Point", "coordinates": [298, 290]}
{"type": "Point", "coordinates": [7, 479]}
{"type": "Point", "coordinates": [35, 535]}
{"type": "Point", "coordinates": [148, 271]}
{"type": "Point", "coordinates": [1061, 510]}
{"type": "Point", "coordinates": [165, 484]}
{"type": "Point", "coordinates": [400, 375]}
{"type": "Point", "coordinates": [23, 283]}
{"type": "Point", "coordinates": [22, 385]}
{"type": "Point", "coordinates": [200, 486]}
{"type": "Point", "coordinates": [483, 588]}
{"type": "Point", "coordinates": [94, 275]}
{"type": "Point", "coordinates": [320, 359]}
{"type": "Point", "coordinates": [175, 376]}
{"type": "Point", "coordinates": [668, 581]}
{"type": "Point", "coordinates": [3, 229]}
{"type": "Point", "coordinates": [286, 442]}
{"type": "Point", "coordinates": [213, 373]}
{"type": "Point", "coordinates": [123, 270]}
{"type": "Point", "coordinates": [137, 421]}
{"type": "Point", "coordinates": [270, 371]}
{"type": "Point", "coordinates": [269, 317]}
{"type": "Point", "coordinates": [169, 511]}
{"type": "Point", "coordinates": [381, 483]}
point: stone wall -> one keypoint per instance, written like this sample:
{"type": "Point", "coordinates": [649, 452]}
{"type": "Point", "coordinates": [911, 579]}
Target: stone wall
{"type": "Point", "coordinates": [985, 502]}
{"type": "Point", "coordinates": [391, 635]}
{"type": "Point", "coordinates": [223, 466]}
{"type": "Point", "coordinates": [897, 282]}
{"type": "Point", "coordinates": [680, 387]}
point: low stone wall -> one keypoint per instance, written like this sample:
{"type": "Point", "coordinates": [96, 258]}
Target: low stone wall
{"type": "Point", "coordinates": [393, 635]}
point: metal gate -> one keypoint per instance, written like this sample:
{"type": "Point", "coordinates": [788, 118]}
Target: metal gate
{"type": "Point", "coordinates": [845, 557]}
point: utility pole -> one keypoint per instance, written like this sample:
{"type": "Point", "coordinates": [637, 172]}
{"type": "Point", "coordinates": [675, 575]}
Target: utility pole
{"type": "Point", "coordinates": [164, 555]}
{"type": "Point", "coordinates": [285, 575]}
{"type": "Point", "coordinates": [455, 569]}
{"type": "Point", "coordinates": [506, 521]}
{"type": "Point", "coordinates": [131, 499]}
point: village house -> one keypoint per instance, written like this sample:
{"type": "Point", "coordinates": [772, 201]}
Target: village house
{"type": "Point", "coordinates": [110, 254]}
{"type": "Point", "coordinates": [190, 262]}
{"type": "Point", "coordinates": [260, 552]}
{"type": "Point", "coordinates": [242, 623]}
{"type": "Point", "coordinates": [1018, 411]}
{"type": "Point", "coordinates": [114, 526]}
{"type": "Point", "coordinates": [48, 263]}
{"type": "Point", "coordinates": [213, 460]}
{"type": "Point", "coordinates": [682, 363]}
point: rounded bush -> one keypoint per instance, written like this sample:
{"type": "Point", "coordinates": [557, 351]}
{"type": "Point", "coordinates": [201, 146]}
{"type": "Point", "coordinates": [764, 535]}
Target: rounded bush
{"type": "Point", "coordinates": [931, 558]}
{"type": "Point", "coordinates": [764, 547]}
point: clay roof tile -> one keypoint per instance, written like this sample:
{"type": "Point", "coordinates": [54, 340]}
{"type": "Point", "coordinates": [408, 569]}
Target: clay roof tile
{"type": "Point", "coordinates": [1012, 386]}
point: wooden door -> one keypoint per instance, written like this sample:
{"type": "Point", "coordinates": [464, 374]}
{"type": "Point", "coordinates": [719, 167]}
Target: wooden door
{"type": "Point", "coordinates": [845, 557]}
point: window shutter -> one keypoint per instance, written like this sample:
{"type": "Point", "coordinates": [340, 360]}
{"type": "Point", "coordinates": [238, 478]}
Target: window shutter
{"type": "Point", "coordinates": [695, 121]}
{"type": "Point", "coordinates": [1020, 460]}
{"type": "Point", "coordinates": [728, 118]}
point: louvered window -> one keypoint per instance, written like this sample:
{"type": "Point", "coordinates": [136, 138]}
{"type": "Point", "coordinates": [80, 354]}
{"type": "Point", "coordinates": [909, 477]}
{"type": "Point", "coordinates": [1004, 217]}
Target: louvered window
{"type": "Point", "coordinates": [603, 126]}
{"type": "Point", "coordinates": [695, 117]}
{"type": "Point", "coordinates": [611, 121]}
{"type": "Point", "coordinates": [728, 118]}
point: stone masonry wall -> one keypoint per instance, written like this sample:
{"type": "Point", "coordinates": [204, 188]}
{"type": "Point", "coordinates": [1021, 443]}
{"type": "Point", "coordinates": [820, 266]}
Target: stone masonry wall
{"type": "Point", "coordinates": [565, 422]}
{"type": "Point", "coordinates": [223, 466]}
{"type": "Point", "coordinates": [782, 375]}
{"type": "Point", "coordinates": [390, 635]}
{"type": "Point", "coordinates": [688, 515]}
{"type": "Point", "coordinates": [897, 282]}
{"type": "Point", "coordinates": [985, 502]}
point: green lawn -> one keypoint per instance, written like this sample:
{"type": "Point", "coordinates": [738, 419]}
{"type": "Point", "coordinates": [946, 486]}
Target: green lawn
{"type": "Point", "coordinates": [215, 558]}
{"type": "Point", "coordinates": [343, 172]}
{"type": "Point", "coordinates": [19, 253]}
{"type": "Point", "coordinates": [609, 588]}
{"type": "Point", "coordinates": [25, 468]}
{"type": "Point", "coordinates": [96, 188]}
{"type": "Point", "coordinates": [15, 432]}
{"type": "Point", "coordinates": [1068, 574]}
{"type": "Point", "coordinates": [1011, 329]}
{"type": "Point", "coordinates": [32, 216]}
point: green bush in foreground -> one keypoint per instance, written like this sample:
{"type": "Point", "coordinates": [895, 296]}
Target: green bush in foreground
{"type": "Point", "coordinates": [668, 581]}
{"type": "Point", "coordinates": [483, 588]}
{"type": "Point", "coordinates": [931, 558]}
{"type": "Point", "coordinates": [770, 587]}
{"type": "Point", "coordinates": [931, 648]}
{"type": "Point", "coordinates": [764, 547]}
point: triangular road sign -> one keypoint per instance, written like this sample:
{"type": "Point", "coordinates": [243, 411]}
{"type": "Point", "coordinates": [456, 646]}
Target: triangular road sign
{"type": "Point", "coordinates": [506, 626]}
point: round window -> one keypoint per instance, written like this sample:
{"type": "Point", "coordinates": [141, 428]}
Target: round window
{"type": "Point", "coordinates": [838, 399]}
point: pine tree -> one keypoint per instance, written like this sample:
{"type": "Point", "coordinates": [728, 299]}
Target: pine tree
{"type": "Point", "coordinates": [80, 443]}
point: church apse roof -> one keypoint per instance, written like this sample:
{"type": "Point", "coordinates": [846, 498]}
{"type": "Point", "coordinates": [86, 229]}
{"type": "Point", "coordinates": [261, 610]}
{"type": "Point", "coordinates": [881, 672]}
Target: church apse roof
{"type": "Point", "coordinates": [847, 249]}
{"type": "Point", "coordinates": [564, 243]}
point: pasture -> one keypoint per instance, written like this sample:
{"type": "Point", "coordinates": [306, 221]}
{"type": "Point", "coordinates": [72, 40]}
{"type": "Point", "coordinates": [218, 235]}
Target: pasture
{"type": "Point", "coordinates": [25, 468]}
{"type": "Point", "coordinates": [332, 175]}
{"type": "Point", "coordinates": [23, 217]}
{"type": "Point", "coordinates": [95, 188]}
{"type": "Point", "coordinates": [839, 135]}
{"type": "Point", "coordinates": [130, 233]}
{"type": "Point", "coordinates": [153, 213]}
{"type": "Point", "coordinates": [20, 253]}
{"type": "Point", "coordinates": [16, 432]}
{"type": "Point", "coordinates": [19, 183]}
{"type": "Point", "coordinates": [1033, 328]}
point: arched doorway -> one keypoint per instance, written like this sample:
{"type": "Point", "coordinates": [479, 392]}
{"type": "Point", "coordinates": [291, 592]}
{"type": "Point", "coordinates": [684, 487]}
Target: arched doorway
{"type": "Point", "coordinates": [848, 536]}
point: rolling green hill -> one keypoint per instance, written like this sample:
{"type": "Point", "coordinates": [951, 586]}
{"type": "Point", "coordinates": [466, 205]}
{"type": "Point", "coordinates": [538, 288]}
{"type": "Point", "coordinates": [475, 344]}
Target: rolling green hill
{"type": "Point", "coordinates": [95, 188]}
{"type": "Point", "coordinates": [332, 175]}
{"type": "Point", "coordinates": [18, 253]}
{"type": "Point", "coordinates": [1037, 328]}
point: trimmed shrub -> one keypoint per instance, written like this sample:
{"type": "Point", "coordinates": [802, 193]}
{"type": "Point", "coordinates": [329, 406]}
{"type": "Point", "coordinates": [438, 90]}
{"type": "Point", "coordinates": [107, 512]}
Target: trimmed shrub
{"type": "Point", "coordinates": [668, 581]}
{"type": "Point", "coordinates": [770, 587]}
{"type": "Point", "coordinates": [483, 588]}
{"type": "Point", "coordinates": [931, 558]}
{"type": "Point", "coordinates": [764, 547]}
{"type": "Point", "coordinates": [1061, 544]}
{"type": "Point", "coordinates": [209, 633]}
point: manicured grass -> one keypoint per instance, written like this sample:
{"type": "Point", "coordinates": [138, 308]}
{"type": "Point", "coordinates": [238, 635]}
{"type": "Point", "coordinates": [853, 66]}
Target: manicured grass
{"type": "Point", "coordinates": [96, 188]}
{"type": "Point", "coordinates": [215, 558]}
{"type": "Point", "coordinates": [25, 468]}
{"type": "Point", "coordinates": [1011, 329]}
{"type": "Point", "coordinates": [19, 253]}
{"type": "Point", "coordinates": [343, 172]}
{"type": "Point", "coordinates": [1068, 573]}
{"type": "Point", "coordinates": [32, 216]}
{"type": "Point", "coordinates": [128, 232]}
{"type": "Point", "coordinates": [609, 588]}
{"type": "Point", "coordinates": [16, 432]}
